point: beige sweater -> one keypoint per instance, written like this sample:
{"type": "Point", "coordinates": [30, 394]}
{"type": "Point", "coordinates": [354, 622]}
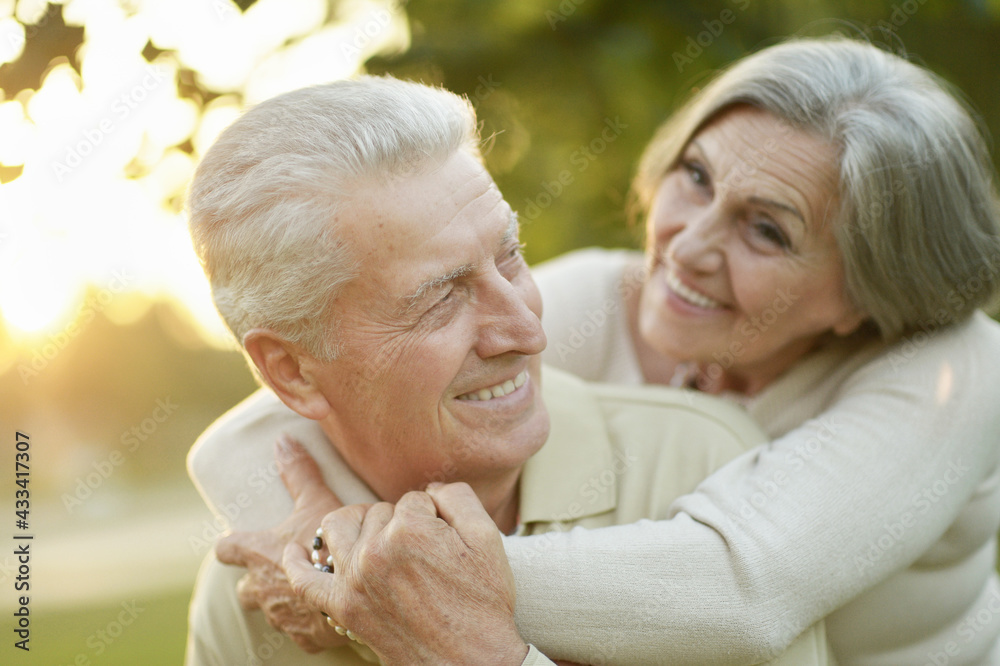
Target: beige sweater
{"type": "Point", "coordinates": [876, 505]}
{"type": "Point", "coordinates": [615, 454]}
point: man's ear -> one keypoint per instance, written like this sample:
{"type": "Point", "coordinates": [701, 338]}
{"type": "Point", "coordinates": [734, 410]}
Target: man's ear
{"type": "Point", "coordinates": [279, 363]}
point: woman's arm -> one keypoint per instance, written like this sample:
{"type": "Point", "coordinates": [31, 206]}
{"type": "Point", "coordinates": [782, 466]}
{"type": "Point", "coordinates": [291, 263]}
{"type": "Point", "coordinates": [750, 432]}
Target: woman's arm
{"type": "Point", "coordinates": [265, 586]}
{"type": "Point", "coordinates": [585, 320]}
{"type": "Point", "coordinates": [782, 536]}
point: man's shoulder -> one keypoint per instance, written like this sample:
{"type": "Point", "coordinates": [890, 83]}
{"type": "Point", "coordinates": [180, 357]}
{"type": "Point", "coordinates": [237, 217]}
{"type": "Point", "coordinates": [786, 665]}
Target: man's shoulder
{"type": "Point", "coordinates": [259, 415]}
{"type": "Point", "coordinates": [654, 409]}
{"type": "Point", "coordinates": [233, 463]}
{"type": "Point", "coordinates": [685, 405]}
{"type": "Point", "coordinates": [622, 453]}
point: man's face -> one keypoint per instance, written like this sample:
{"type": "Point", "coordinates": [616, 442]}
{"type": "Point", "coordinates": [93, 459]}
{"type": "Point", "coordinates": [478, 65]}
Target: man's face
{"type": "Point", "coordinates": [438, 377]}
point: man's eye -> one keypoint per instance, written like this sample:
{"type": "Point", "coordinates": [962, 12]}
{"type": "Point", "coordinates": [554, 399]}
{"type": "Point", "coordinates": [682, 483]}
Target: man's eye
{"type": "Point", "coordinates": [510, 263]}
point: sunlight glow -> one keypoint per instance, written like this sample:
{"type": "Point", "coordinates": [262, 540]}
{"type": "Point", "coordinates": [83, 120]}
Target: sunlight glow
{"type": "Point", "coordinates": [30, 11]}
{"type": "Point", "coordinates": [33, 298]}
{"type": "Point", "coordinates": [103, 141]}
{"type": "Point", "coordinates": [17, 132]}
{"type": "Point", "coordinates": [12, 40]}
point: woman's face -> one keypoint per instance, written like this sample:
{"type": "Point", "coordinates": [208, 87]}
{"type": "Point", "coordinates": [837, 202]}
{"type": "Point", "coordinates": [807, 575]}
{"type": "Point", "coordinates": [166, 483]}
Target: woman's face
{"type": "Point", "coordinates": [745, 271]}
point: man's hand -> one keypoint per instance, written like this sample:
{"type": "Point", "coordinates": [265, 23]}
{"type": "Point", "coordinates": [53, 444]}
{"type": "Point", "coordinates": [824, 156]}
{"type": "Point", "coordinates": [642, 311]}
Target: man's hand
{"type": "Point", "coordinates": [265, 585]}
{"type": "Point", "coordinates": [426, 581]}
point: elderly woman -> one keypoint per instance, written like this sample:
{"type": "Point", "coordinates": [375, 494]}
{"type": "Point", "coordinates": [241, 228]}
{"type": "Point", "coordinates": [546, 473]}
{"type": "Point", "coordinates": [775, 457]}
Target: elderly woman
{"type": "Point", "coordinates": [822, 229]}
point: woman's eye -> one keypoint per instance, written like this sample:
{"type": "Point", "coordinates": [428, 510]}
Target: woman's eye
{"type": "Point", "coordinates": [696, 173]}
{"type": "Point", "coordinates": [771, 233]}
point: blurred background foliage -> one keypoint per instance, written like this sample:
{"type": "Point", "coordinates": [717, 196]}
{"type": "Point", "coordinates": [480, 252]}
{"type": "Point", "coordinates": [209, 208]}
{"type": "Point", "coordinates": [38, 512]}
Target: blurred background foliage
{"type": "Point", "coordinates": [552, 80]}
{"type": "Point", "coordinates": [568, 93]}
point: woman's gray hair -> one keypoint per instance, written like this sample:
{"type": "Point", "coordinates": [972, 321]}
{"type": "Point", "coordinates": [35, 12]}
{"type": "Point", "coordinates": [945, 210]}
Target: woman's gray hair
{"type": "Point", "coordinates": [919, 224]}
{"type": "Point", "coordinates": [264, 201]}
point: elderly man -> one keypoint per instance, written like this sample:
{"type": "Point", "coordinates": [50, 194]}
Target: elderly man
{"type": "Point", "coordinates": [371, 270]}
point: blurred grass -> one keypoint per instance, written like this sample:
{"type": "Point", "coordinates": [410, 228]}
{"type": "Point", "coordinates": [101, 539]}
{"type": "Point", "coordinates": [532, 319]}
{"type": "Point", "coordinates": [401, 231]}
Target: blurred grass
{"type": "Point", "coordinates": [97, 635]}
{"type": "Point", "coordinates": [157, 635]}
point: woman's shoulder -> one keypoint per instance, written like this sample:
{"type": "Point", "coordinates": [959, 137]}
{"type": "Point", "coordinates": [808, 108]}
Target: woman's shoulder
{"type": "Point", "coordinates": [915, 370]}
{"type": "Point", "coordinates": [588, 280]}
{"type": "Point", "coordinates": [966, 351]}
{"type": "Point", "coordinates": [584, 296]}
{"type": "Point", "coordinates": [941, 381]}
{"type": "Point", "coordinates": [591, 264]}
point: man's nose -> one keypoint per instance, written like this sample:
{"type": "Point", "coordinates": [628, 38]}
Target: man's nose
{"type": "Point", "coordinates": [507, 322]}
{"type": "Point", "coordinates": [697, 247]}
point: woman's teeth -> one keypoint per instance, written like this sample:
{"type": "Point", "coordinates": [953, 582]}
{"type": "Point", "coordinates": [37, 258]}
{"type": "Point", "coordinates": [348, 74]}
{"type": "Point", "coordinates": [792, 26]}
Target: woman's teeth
{"type": "Point", "coordinates": [692, 297]}
{"type": "Point", "coordinates": [498, 391]}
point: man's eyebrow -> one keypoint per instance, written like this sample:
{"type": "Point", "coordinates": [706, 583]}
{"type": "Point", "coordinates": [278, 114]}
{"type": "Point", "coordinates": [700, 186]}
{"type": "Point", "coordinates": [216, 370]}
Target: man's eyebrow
{"type": "Point", "coordinates": [407, 303]}
{"type": "Point", "coordinates": [513, 229]}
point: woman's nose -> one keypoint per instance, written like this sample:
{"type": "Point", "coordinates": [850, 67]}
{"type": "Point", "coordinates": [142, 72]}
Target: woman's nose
{"type": "Point", "coordinates": [697, 246]}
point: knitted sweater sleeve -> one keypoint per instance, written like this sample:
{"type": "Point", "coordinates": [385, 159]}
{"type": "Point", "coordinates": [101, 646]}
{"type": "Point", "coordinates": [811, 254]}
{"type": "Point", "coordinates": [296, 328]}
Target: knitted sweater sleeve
{"type": "Point", "coordinates": [584, 315]}
{"type": "Point", "coordinates": [771, 543]}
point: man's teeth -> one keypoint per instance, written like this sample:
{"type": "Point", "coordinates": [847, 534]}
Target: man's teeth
{"type": "Point", "coordinates": [690, 296]}
{"type": "Point", "coordinates": [498, 391]}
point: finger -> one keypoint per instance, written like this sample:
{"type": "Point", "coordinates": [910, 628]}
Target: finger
{"type": "Point", "coordinates": [246, 593]}
{"type": "Point", "coordinates": [341, 529]}
{"type": "Point", "coordinates": [235, 548]}
{"type": "Point", "coordinates": [460, 507]}
{"type": "Point", "coordinates": [306, 644]}
{"type": "Point", "coordinates": [299, 471]}
{"type": "Point", "coordinates": [312, 585]}
{"type": "Point", "coordinates": [375, 520]}
{"type": "Point", "coordinates": [417, 505]}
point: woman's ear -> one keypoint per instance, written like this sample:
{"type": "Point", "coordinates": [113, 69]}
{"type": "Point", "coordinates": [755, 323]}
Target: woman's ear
{"type": "Point", "coordinates": [280, 363]}
{"type": "Point", "coordinates": [850, 321]}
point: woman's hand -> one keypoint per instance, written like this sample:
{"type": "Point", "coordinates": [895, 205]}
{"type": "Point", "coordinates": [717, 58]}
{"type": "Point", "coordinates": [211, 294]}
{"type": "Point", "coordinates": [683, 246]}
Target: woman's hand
{"type": "Point", "coordinates": [424, 581]}
{"type": "Point", "coordinates": [265, 585]}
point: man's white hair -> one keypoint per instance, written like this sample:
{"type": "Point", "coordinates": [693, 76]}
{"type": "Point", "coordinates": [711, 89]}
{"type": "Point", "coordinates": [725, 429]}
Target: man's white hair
{"type": "Point", "coordinates": [264, 202]}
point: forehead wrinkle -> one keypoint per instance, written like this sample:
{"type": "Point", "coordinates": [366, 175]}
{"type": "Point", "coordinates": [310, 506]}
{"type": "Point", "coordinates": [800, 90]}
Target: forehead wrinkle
{"type": "Point", "coordinates": [759, 200]}
{"type": "Point", "coordinates": [407, 303]}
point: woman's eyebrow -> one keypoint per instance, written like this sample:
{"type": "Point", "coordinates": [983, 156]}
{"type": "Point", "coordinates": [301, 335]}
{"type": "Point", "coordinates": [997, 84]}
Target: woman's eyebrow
{"type": "Point", "coordinates": [759, 201]}
{"type": "Point", "coordinates": [771, 203]}
{"type": "Point", "coordinates": [701, 153]}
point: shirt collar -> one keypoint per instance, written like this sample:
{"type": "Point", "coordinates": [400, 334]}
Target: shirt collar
{"type": "Point", "coordinates": [571, 476]}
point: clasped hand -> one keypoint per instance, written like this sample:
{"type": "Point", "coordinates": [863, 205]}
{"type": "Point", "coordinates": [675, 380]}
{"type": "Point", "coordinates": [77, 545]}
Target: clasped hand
{"type": "Point", "coordinates": [265, 585]}
{"type": "Point", "coordinates": [422, 581]}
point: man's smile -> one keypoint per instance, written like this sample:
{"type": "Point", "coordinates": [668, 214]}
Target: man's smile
{"type": "Point", "coordinates": [497, 390]}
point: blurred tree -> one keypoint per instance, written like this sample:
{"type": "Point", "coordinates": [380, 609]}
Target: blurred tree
{"type": "Point", "coordinates": [550, 76]}
{"type": "Point", "coordinates": [568, 92]}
